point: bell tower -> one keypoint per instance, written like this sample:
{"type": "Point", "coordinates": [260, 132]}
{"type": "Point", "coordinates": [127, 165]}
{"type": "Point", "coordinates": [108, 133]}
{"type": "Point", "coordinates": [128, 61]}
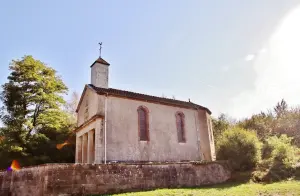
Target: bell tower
{"type": "Point", "coordinates": [99, 72]}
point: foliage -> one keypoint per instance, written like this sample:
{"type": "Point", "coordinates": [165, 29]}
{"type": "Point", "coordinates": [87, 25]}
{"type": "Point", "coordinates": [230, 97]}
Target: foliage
{"type": "Point", "coordinates": [280, 120]}
{"type": "Point", "coordinates": [241, 147]}
{"type": "Point", "coordinates": [279, 160]}
{"type": "Point", "coordinates": [33, 119]}
{"type": "Point", "coordinates": [289, 124]}
{"type": "Point", "coordinates": [281, 108]}
{"type": "Point", "coordinates": [280, 150]}
{"type": "Point", "coordinates": [220, 125]}
{"type": "Point", "coordinates": [279, 131]}
{"type": "Point", "coordinates": [262, 124]}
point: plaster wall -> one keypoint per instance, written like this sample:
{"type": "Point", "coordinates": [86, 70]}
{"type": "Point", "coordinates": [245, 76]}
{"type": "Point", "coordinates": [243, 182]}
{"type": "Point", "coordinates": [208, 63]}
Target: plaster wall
{"type": "Point", "coordinates": [123, 139]}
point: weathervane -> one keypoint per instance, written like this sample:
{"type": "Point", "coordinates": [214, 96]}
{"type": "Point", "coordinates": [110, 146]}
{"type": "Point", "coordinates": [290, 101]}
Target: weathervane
{"type": "Point", "coordinates": [100, 44]}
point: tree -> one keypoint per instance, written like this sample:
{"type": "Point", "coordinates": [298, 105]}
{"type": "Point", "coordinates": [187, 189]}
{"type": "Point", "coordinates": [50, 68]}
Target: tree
{"type": "Point", "coordinates": [289, 123]}
{"type": "Point", "coordinates": [71, 106]}
{"type": "Point", "coordinates": [280, 120]}
{"type": "Point", "coordinates": [32, 116]}
{"type": "Point", "coordinates": [281, 108]}
{"type": "Point", "coordinates": [263, 124]}
{"type": "Point", "coordinates": [220, 124]}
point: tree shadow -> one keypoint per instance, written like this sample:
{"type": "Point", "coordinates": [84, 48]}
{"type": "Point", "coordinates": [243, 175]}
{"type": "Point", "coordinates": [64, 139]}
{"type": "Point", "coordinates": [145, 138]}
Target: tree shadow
{"type": "Point", "coordinates": [279, 172]}
{"type": "Point", "coordinates": [221, 186]}
{"type": "Point", "coordinates": [297, 173]}
{"type": "Point", "coordinates": [275, 174]}
{"type": "Point", "coordinates": [240, 177]}
{"type": "Point", "coordinates": [237, 178]}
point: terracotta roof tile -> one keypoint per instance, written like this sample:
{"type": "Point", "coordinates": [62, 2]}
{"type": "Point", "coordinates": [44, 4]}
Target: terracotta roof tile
{"type": "Point", "coordinates": [150, 98]}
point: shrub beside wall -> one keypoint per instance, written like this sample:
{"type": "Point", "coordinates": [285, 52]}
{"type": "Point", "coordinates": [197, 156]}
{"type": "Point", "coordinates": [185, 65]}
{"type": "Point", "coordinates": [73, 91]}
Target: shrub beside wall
{"type": "Point", "coordinates": [240, 147]}
{"type": "Point", "coordinates": [279, 160]}
{"type": "Point", "coordinates": [280, 151]}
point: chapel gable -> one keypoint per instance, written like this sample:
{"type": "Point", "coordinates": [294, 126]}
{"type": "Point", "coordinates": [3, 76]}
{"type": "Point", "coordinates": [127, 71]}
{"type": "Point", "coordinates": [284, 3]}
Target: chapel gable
{"type": "Point", "coordinates": [88, 105]}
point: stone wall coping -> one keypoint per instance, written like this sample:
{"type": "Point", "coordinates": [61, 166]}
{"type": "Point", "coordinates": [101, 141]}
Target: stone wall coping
{"type": "Point", "coordinates": [122, 163]}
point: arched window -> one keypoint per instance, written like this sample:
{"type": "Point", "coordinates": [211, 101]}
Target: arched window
{"type": "Point", "coordinates": [180, 127]}
{"type": "Point", "coordinates": [143, 123]}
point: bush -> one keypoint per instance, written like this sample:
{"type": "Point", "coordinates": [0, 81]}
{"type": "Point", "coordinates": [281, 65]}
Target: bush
{"type": "Point", "coordinates": [280, 151]}
{"type": "Point", "coordinates": [240, 147]}
{"type": "Point", "coordinates": [279, 160]}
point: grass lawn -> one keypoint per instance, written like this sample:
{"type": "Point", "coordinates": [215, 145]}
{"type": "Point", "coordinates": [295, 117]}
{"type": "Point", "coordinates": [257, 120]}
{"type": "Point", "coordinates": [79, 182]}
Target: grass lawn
{"type": "Point", "coordinates": [275, 189]}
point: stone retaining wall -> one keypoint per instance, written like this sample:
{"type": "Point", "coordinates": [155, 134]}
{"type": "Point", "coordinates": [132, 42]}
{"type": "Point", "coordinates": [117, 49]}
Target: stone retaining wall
{"type": "Point", "coordinates": [83, 179]}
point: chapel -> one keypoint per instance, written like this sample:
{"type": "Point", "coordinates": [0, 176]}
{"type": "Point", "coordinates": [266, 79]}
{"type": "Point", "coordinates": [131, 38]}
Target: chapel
{"type": "Point", "coordinates": [115, 125]}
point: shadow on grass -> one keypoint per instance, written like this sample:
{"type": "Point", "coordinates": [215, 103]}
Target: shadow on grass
{"type": "Point", "coordinates": [237, 178]}
{"type": "Point", "coordinates": [240, 177]}
{"type": "Point", "coordinates": [219, 187]}
{"type": "Point", "coordinates": [297, 173]}
{"type": "Point", "coordinates": [278, 172]}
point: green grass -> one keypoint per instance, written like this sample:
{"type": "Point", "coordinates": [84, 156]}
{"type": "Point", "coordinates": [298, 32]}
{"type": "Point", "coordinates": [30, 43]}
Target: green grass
{"type": "Point", "coordinates": [290, 188]}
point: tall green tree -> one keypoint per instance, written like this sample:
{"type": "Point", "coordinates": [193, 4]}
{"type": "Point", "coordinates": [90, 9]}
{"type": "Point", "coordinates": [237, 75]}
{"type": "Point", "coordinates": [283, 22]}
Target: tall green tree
{"type": "Point", "coordinates": [281, 108]}
{"type": "Point", "coordinates": [263, 124]}
{"type": "Point", "coordinates": [281, 119]}
{"type": "Point", "coordinates": [33, 119]}
{"type": "Point", "coordinates": [220, 124]}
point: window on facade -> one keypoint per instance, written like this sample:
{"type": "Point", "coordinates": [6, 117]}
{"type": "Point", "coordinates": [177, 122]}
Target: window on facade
{"type": "Point", "coordinates": [180, 127]}
{"type": "Point", "coordinates": [86, 111]}
{"type": "Point", "coordinates": [210, 130]}
{"type": "Point", "coordinates": [143, 123]}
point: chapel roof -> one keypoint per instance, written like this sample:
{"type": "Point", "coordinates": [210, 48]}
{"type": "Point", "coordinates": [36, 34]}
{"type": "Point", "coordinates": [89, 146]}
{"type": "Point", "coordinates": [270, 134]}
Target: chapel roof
{"type": "Point", "coordinates": [144, 97]}
{"type": "Point", "coordinates": [101, 61]}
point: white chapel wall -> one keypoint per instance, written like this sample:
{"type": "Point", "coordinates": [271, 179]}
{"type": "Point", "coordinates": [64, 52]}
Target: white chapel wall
{"type": "Point", "coordinates": [122, 132]}
{"type": "Point", "coordinates": [88, 107]}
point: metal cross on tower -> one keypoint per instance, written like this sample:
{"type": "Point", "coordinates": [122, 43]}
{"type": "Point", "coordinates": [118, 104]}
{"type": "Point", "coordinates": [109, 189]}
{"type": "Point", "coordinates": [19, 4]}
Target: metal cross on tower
{"type": "Point", "coordinates": [100, 44]}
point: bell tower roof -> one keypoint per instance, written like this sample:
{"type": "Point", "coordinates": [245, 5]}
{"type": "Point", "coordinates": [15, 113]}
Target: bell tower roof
{"type": "Point", "coordinates": [101, 61]}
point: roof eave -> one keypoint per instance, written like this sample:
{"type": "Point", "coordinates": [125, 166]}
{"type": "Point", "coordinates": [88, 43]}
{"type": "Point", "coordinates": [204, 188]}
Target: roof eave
{"type": "Point", "coordinates": [191, 105]}
{"type": "Point", "coordinates": [102, 62]}
{"type": "Point", "coordinates": [197, 107]}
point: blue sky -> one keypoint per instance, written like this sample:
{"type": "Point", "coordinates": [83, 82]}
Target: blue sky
{"type": "Point", "coordinates": [217, 52]}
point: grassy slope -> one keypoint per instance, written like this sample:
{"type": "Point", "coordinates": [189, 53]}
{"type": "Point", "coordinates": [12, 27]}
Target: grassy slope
{"type": "Point", "coordinates": [283, 188]}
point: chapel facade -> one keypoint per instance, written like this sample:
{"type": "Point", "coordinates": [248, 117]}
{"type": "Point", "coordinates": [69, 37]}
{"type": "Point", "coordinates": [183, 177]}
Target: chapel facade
{"type": "Point", "coordinates": [123, 126]}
